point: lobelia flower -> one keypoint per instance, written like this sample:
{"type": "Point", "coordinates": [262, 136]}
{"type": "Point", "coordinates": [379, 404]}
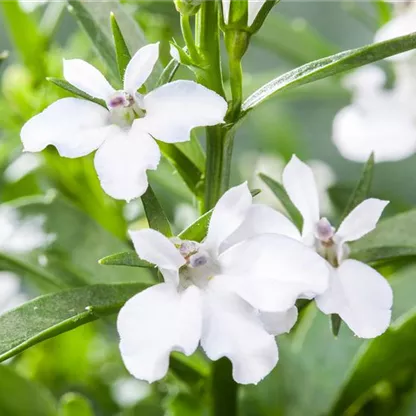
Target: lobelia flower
{"type": "Point", "coordinates": [254, 7]}
{"type": "Point", "coordinates": [213, 291]}
{"type": "Point", "coordinates": [360, 295]}
{"type": "Point", "coordinates": [124, 131]}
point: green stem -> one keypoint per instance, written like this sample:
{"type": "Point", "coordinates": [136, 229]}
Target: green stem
{"type": "Point", "coordinates": [219, 149]}
{"type": "Point", "coordinates": [236, 83]}
{"type": "Point", "coordinates": [189, 38]}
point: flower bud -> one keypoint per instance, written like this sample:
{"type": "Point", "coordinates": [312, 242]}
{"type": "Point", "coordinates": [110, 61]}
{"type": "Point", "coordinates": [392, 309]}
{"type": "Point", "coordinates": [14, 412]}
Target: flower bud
{"type": "Point", "coordinates": [187, 7]}
{"type": "Point", "coordinates": [324, 230]}
{"type": "Point", "coordinates": [198, 260]}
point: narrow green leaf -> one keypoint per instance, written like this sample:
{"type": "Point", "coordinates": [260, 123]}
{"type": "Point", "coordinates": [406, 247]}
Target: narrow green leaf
{"type": "Point", "coordinates": [335, 324]}
{"type": "Point", "coordinates": [122, 51]}
{"type": "Point", "coordinates": [331, 65]}
{"type": "Point", "coordinates": [384, 11]}
{"type": "Point", "coordinates": [362, 189]}
{"type": "Point", "coordinates": [22, 397]}
{"type": "Point", "coordinates": [155, 215]}
{"type": "Point", "coordinates": [197, 230]}
{"type": "Point", "coordinates": [393, 238]}
{"type": "Point", "coordinates": [65, 85]}
{"type": "Point", "coordinates": [95, 30]}
{"type": "Point", "coordinates": [168, 72]}
{"type": "Point", "coordinates": [384, 358]}
{"type": "Point", "coordinates": [50, 315]}
{"type": "Point", "coordinates": [126, 258]}
{"type": "Point", "coordinates": [74, 404]}
{"type": "Point", "coordinates": [283, 197]}
{"type": "Point", "coordinates": [191, 175]}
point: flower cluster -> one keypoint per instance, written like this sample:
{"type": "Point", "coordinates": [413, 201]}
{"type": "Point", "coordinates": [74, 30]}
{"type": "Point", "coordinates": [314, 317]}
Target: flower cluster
{"type": "Point", "coordinates": [237, 289]}
{"type": "Point", "coordinates": [381, 120]}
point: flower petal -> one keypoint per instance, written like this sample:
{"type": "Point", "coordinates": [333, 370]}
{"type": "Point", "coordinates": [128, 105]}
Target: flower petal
{"type": "Point", "coordinates": [254, 7]}
{"type": "Point", "coordinates": [384, 127]}
{"type": "Point", "coordinates": [174, 109]}
{"type": "Point", "coordinates": [261, 219]}
{"type": "Point", "coordinates": [154, 247]}
{"type": "Point", "coordinates": [232, 329]}
{"type": "Point", "coordinates": [122, 161]}
{"type": "Point", "coordinates": [277, 323]}
{"type": "Point", "coordinates": [271, 271]}
{"type": "Point", "coordinates": [87, 78]}
{"type": "Point", "coordinates": [75, 127]}
{"type": "Point", "coordinates": [361, 296]}
{"type": "Point", "coordinates": [300, 185]}
{"type": "Point", "coordinates": [361, 220]}
{"type": "Point", "coordinates": [228, 214]}
{"type": "Point", "coordinates": [140, 67]}
{"type": "Point", "coordinates": [155, 322]}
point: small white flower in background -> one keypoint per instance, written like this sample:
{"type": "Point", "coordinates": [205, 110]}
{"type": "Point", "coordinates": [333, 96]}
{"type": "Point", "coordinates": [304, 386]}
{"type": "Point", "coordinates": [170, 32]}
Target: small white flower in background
{"type": "Point", "coordinates": [254, 6]}
{"type": "Point", "coordinates": [231, 293]}
{"type": "Point", "coordinates": [11, 295]}
{"type": "Point", "coordinates": [361, 296]}
{"type": "Point", "coordinates": [378, 120]}
{"type": "Point", "coordinates": [273, 166]}
{"type": "Point", "coordinates": [128, 391]}
{"type": "Point", "coordinates": [124, 133]}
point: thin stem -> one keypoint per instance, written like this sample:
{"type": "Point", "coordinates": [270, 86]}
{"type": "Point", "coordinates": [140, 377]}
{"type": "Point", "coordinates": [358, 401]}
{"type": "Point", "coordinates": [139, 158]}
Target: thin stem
{"type": "Point", "coordinates": [224, 389]}
{"type": "Point", "coordinates": [189, 38]}
{"type": "Point", "coordinates": [236, 83]}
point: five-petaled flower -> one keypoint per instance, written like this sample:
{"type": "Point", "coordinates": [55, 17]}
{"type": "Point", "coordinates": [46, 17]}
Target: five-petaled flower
{"type": "Point", "coordinates": [359, 294]}
{"type": "Point", "coordinates": [231, 293]}
{"type": "Point", "coordinates": [124, 131]}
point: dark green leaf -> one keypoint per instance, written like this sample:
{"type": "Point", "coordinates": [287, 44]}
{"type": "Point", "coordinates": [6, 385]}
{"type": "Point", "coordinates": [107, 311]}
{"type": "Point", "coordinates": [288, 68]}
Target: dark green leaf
{"type": "Point", "coordinates": [95, 29]}
{"type": "Point", "coordinates": [283, 197]}
{"type": "Point", "coordinates": [53, 314]}
{"type": "Point", "coordinates": [363, 187]}
{"type": "Point", "coordinates": [335, 324]}
{"type": "Point", "coordinates": [51, 241]}
{"type": "Point", "coordinates": [155, 215]}
{"type": "Point", "coordinates": [191, 175]}
{"type": "Point", "coordinates": [73, 404]}
{"type": "Point", "coordinates": [21, 397]}
{"type": "Point", "coordinates": [122, 51]}
{"type": "Point", "coordinates": [61, 83]}
{"type": "Point", "coordinates": [332, 65]}
{"type": "Point", "coordinates": [126, 258]}
{"type": "Point", "coordinates": [168, 72]}
{"type": "Point", "coordinates": [393, 237]}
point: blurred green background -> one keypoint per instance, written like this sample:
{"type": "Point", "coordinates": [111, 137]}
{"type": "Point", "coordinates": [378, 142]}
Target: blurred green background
{"type": "Point", "coordinates": [55, 219]}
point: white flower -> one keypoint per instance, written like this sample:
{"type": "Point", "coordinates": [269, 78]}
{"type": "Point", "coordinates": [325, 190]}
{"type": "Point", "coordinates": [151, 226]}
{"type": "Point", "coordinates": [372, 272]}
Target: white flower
{"type": "Point", "coordinates": [254, 7]}
{"type": "Point", "coordinates": [213, 291]}
{"type": "Point", "coordinates": [10, 294]}
{"type": "Point", "coordinates": [378, 120]}
{"type": "Point", "coordinates": [357, 293]}
{"type": "Point", "coordinates": [124, 133]}
{"type": "Point", "coordinates": [253, 164]}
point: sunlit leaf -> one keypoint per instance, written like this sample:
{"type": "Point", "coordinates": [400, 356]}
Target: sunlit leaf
{"type": "Point", "coordinates": [332, 65]}
{"type": "Point", "coordinates": [122, 51]}
{"type": "Point", "coordinates": [126, 258]}
{"type": "Point", "coordinates": [53, 314]}
{"type": "Point", "coordinates": [73, 404]}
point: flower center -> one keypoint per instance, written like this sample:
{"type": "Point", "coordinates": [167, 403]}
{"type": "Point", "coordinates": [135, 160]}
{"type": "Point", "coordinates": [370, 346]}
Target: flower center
{"type": "Point", "coordinates": [325, 243]}
{"type": "Point", "coordinates": [200, 267]}
{"type": "Point", "coordinates": [124, 108]}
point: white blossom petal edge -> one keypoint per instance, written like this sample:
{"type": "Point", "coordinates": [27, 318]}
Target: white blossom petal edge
{"type": "Point", "coordinates": [208, 298]}
{"type": "Point", "coordinates": [360, 295]}
{"type": "Point", "coordinates": [125, 129]}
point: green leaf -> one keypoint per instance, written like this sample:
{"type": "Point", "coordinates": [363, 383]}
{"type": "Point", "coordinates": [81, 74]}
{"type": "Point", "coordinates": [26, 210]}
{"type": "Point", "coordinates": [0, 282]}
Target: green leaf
{"type": "Point", "coordinates": [126, 258]}
{"type": "Point", "coordinates": [197, 231]}
{"type": "Point", "coordinates": [191, 175]}
{"type": "Point", "coordinates": [155, 215]}
{"type": "Point", "coordinates": [54, 244]}
{"type": "Point", "coordinates": [74, 404]}
{"type": "Point", "coordinates": [168, 72]}
{"type": "Point", "coordinates": [335, 324]}
{"type": "Point", "coordinates": [332, 65]}
{"type": "Point", "coordinates": [283, 197]}
{"type": "Point", "coordinates": [95, 29]}
{"type": "Point", "coordinates": [22, 397]}
{"type": "Point", "coordinates": [65, 85]}
{"type": "Point", "coordinates": [394, 237]}
{"type": "Point", "coordinates": [50, 315]}
{"type": "Point", "coordinates": [122, 51]}
{"type": "Point", "coordinates": [363, 187]}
